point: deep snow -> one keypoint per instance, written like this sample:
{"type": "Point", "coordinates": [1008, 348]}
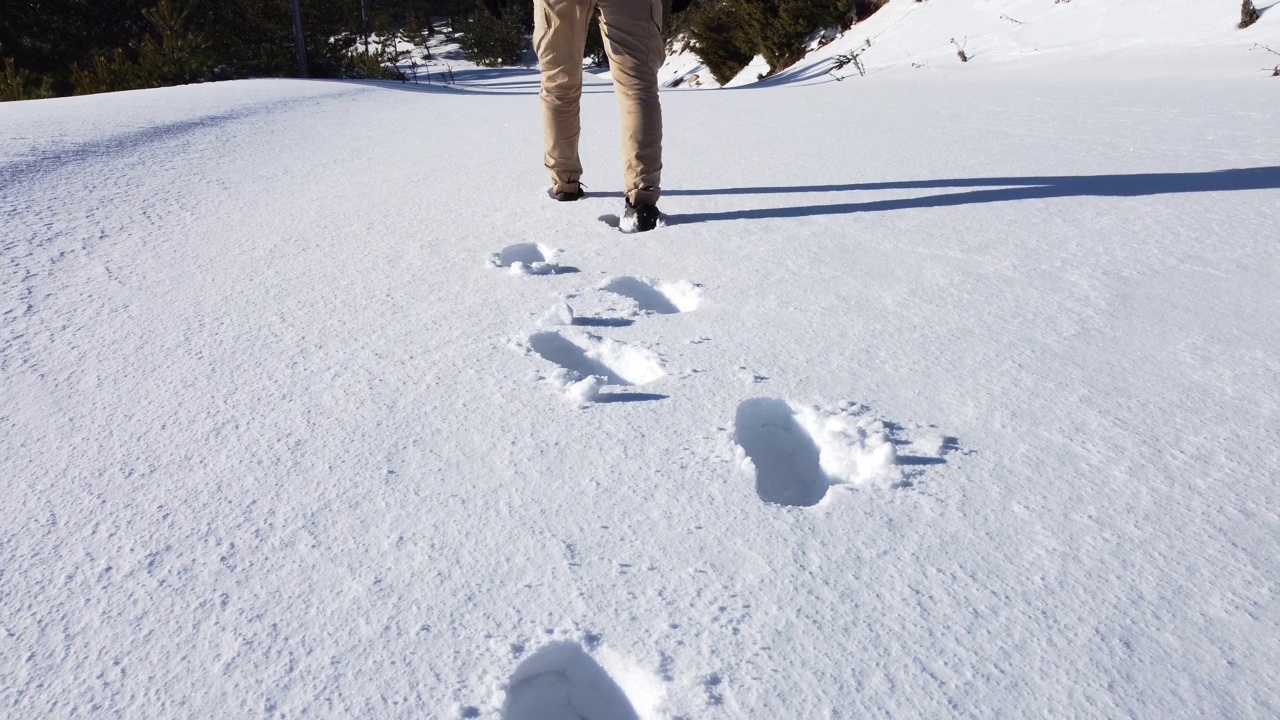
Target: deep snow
{"type": "Point", "coordinates": [940, 393]}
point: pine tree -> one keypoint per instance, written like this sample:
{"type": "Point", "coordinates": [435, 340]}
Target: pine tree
{"type": "Point", "coordinates": [720, 40]}
{"type": "Point", "coordinates": [17, 84]}
{"type": "Point", "coordinates": [492, 41]}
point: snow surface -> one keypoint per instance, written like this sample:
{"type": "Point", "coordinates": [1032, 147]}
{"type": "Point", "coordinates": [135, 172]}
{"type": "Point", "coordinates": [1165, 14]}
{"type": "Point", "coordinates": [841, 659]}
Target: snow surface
{"type": "Point", "coordinates": [939, 394]}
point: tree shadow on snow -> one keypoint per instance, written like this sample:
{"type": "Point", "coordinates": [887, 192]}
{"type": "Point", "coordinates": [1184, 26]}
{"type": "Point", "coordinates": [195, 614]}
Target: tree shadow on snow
{"type": "Point", "coordinates": [994, 189]}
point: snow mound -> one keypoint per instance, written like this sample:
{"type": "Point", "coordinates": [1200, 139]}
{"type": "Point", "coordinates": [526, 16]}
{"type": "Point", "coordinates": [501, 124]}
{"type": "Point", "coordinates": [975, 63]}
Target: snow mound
{"type": "Point", "coordinates": [851, 449]}
{"type": "Point", "coordinates": [528, 259]}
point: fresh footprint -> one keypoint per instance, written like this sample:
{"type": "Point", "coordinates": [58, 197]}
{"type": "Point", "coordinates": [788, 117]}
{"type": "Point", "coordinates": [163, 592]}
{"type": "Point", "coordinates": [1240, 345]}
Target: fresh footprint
{"type": "Point", "coordinates": [656, 296]}
{"type": "Point", "coordinates": [588, 362]}
{"type": "Point", "coordinates": [799, 452]}
{"type": "Point", "coordinates": [562, 682]}
{"type": "Point", "coordinates": [784, 456]}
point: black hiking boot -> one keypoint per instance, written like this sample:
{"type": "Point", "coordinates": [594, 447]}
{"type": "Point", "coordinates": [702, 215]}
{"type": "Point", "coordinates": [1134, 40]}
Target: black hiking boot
{"type": "Point", "coordinates": [567, 195]}
{"type": "Point", "coordinates": [642, 216]}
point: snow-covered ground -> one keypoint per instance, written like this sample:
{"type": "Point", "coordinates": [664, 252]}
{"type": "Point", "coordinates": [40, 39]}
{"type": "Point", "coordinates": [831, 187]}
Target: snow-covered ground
{"type": "Point", "coordinates": [940, 394]}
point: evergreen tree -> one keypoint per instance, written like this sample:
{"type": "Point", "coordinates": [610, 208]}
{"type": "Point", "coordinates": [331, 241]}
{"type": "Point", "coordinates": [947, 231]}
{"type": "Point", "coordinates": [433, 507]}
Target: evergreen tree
{"type": "Point", "coordinates": [720, 40]}
{"type": "Point", "coordinates": [491, 41]}
{"type": "Point", "coordinates": [17, 84]}
{"type": "Point", "coordinates": [65, 46]}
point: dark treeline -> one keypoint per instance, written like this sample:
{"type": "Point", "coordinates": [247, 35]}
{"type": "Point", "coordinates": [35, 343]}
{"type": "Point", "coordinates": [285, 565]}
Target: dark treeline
{"type": "Point", "coordinates": [64, 47]}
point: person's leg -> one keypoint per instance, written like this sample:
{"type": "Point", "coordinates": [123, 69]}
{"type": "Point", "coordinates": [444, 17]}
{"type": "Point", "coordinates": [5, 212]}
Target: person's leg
{"type": "Point", "coordinates": [559, 38]}
{"type": "Point", "coordinates": [632, 32]}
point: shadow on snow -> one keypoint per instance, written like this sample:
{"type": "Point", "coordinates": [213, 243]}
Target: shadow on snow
{"type": "Point", "coordinates": [994, 189]}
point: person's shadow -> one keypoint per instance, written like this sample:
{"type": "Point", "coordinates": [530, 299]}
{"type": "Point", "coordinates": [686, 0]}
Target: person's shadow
{"type": "Point", "coordinates": [992, 189]}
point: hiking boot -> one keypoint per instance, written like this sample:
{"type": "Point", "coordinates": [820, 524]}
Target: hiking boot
{"type": "Point", "coordinates": [567, 193]}
{"type": "Point", "coordinates": [642, 216]}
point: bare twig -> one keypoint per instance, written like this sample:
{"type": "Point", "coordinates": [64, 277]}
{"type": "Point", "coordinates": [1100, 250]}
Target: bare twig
{"type": "Point", "coordinates": [842, 61]}
{"type": "Point", "coordinates": [960, 53]}
{"type": "Point", "coordinates": [1012, 20]}
{"type": "Point", "coordinates": [1260, 46]}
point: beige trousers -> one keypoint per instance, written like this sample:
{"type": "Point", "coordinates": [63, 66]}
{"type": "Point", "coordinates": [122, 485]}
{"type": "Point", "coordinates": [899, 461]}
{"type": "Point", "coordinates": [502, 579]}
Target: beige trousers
{"type": "Point", "coordinates": [632, 31]}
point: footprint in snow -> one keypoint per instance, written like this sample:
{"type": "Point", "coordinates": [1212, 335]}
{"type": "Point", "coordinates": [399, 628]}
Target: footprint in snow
{"type": "Point", "coordinates": [784, 456]}
{"type": "Point", "coordinates": [656, 296]}
{"type": "Point", "coordinates": [798, 452]}
{"type": "Point", "coordinates": [529, 259]}
{"type": "Point", "coordinates": [589, 362]}
{"type": "Point", "coordinates": [562, 682]}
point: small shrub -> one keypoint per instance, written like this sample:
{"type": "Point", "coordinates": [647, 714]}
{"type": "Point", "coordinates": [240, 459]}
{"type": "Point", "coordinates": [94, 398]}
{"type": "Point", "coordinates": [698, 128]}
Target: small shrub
{"type": "Point", "coordinates": [16, 84]}
{"type": "Point", "coordinates": [782, 27]}
{"type": "Point", "coordinates": [177, 57]}
{"type": "Point", "coordinates": [110, 73]}
{"type": "Point", "coordinates": [863, 9]}
{"type": "Point", "coordinates": [720, 41]}
{"type": "Point", "coordinates": [842, 61]}
{"type": "Point", "coordinates": [1248, 14]}
{"type": "Point", "coordinates": [1275, 72]}
{"type": "Point", "coordinates": [369, 65]}
{"type": "Point", "coordinates": [492, 41]}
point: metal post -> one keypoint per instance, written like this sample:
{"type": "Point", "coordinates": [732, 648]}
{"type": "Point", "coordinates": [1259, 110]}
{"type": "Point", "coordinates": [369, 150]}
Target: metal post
{"type": "Point", "coordinates": [298, 44]}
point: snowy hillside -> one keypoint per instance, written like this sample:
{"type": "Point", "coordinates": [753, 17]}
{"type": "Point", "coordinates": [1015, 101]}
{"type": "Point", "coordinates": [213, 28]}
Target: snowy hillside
{"type": "Point", "coordinates": [947, 391]}
{"type": "Point", "coordinates": [1184, 37]}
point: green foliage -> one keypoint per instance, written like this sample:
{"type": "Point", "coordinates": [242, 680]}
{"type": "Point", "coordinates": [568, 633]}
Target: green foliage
{"type": "Point", "coordinates": [170, 55]}
{"type": "Point", "coordinates": [106, 74]}
{"type": "Point", "coordinates": [16, 84]}
{"type": "Point", "coordinates": [45, 37]}
{"type": "Point", "coordinates": [492, 41]}
{"type": "Point", "coordinates": [721, 42]}
{"type": "Point", "coordinates": [863, 9]}
{"type": "Point", "coordinates": [179, 56]}
{"type": "Point", "coordinates": [369, 65]}
{"type": "Point", "coordinates": [80, 46]}
{"type": "Point", "coordinates": [727, 34]}
{"type": "Point", "coordinates": [782, 26]}
{"type": "Point", "coordinates": [415, 31]}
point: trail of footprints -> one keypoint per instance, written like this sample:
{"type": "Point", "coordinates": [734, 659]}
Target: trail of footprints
{"type": "Point", "coordinates": [796, 453]}
{"type": "Point", "coordinates": [589, 367]}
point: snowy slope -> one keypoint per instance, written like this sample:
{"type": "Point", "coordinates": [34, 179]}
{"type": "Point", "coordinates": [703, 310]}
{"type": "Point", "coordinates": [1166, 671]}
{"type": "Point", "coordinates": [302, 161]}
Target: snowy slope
{"type": "Point", "coordinates": [940, 394]}
{"type": "Point", "coordinates": [1093, 38]}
